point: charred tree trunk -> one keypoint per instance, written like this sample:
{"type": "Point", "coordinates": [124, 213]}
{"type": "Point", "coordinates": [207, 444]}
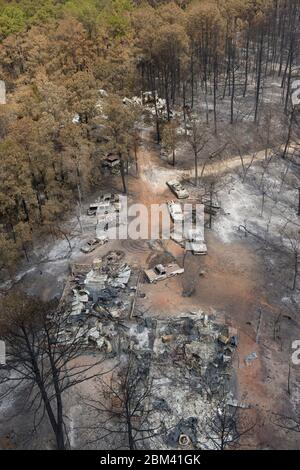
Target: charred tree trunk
{"type": "Point", "coordinates": [122, 169]}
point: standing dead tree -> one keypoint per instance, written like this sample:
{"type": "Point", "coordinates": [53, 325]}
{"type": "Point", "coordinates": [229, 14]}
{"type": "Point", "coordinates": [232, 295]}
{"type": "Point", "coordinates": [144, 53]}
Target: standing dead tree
{"type": "Point", "coordinates": [41, 358]}
{"type": "Point", "coordinates": [291, 239]}
{"type": "Point", "coordinates": [228, 424]}
{"type": "Point", "coordinates": [197, 140]}
{"type": "Point", "coordinates": [123, 407]}
{"type": "Point", "coordinates": [293, 133]}
{"type": "Point", "coordinates": [170, 138]}
{"type": "Point", "coordinates": [288, 423]}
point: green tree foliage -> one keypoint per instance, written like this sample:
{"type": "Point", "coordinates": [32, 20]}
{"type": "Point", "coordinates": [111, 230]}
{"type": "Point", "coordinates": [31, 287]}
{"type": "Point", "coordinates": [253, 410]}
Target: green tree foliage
{"type": "Point", "coordinates": [12, 20]}
{"type": "Point", "coordinates": [55, 56]}
{"type": "Point", "coordinates": [119, 123]}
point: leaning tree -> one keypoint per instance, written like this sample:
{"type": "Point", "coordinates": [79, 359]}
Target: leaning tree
{"type": "Point", "coordinates": [43, 362]}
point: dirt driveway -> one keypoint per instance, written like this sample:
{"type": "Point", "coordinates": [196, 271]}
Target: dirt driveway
{"type": "Point", "coordinates": [233, 286]}
{"type": "Point", "coordinates": [230, 281]}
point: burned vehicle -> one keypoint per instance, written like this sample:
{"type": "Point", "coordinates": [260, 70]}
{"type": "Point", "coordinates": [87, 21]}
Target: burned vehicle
{"type": "Point", "coordinates": [195, 242]}
{"type": "Point", "coordinates": [161, 272]}
{"type": "Point", "coordinates": [92, 244]}
{"type": "Point", "coordinates": [111, 162]}
{"type": "Point", "coordinates": [105, 204]}
{"type": "Point", "coordinates": [175, 211]}
{"type": "Point", "coordinates": [178, 189]}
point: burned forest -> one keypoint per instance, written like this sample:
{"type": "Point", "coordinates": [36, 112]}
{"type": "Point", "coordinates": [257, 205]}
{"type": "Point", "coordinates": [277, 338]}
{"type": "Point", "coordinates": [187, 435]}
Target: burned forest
{"type": "Point", "coordinates": [150, 225]}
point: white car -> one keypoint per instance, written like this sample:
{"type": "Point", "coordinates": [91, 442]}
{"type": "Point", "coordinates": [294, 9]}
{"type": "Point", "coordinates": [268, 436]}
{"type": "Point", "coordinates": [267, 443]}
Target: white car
{"type": "Point", "coordinates": [195, 243]}
{"type": "Point", "coordinates": [106, 197]}
{"type": "Point", "coordinates": [111, 199]}
{"type": "Point", "coordinates": [106, 204]}
{"type": "Point", "coordinates": [175, 211]}
{"type": "Point", "coordinates": [92, 210]}
{"type": "Point", "coordinates": [111, 161]}
{"type": "Point", "coordinates": [101, 207]}
{"type": "Point", "coordinates": [91, 245]}
{"type": "Point", "coordinates": [160, 272]}
{"type": "Point", "coordinates": [179, 190]}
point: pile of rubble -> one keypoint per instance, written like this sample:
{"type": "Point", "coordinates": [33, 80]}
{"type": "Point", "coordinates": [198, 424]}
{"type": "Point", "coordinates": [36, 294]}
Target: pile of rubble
{"type": "Point", "coordinates": [111, 163]}
{"type": "Point", "coordinates": [103, 218]}
{"type": "Point", "coordinates": [151, 103]}
{"type": "Point", "coordinates": [196, 342]}
{"type": "Point", "coordinates": [190, 361]}
{"type": "Point", "coordinates": [97, 298]}
{"type": "Point", "coordinates": [187, 359]}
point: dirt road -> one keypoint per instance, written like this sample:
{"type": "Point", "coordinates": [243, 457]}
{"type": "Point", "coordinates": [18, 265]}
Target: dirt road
{"type": "Point", "coordinates": [232, 287]}
{"type": "Point", "coordinates": [154, 172]}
